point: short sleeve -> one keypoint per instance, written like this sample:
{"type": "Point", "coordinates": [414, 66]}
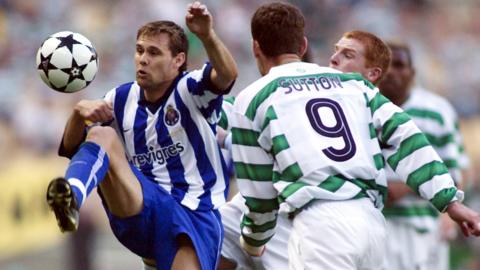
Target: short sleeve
{"type": "Point", "coordinates": [200, 87]}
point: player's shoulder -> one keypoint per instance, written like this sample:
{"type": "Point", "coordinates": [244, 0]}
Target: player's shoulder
{"type": "Point", "coordinates": [269, 82]}
{"type": "Point", "coordinates": [433, 101]}
{"type": "Point", "coordinates": [422, 92]}
{"type": "Point", "coordinates": [122, 91]}
{"type": "Point", "coordinates": [300, 69]}
{"type": "Point", "coordinates": [264, 86]}
{"type": "Point", "coordinates": [423, 100]}
{"type": "Point", "coordinates": [197, 74]}
{"type": "Point", "coordinates": [353, 79]}
{"type": "Point", "coordinates": [229, 100]}
{"type": "Point", "coordinates": [248, 94]}
{"type": "Point", "coordinates": [194, 81]}
{"type": "Point", "coordinates": [124, 87]}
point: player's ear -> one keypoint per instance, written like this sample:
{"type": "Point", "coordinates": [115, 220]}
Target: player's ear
{"type": "Point", "coordinates": [374, 74]}
{"type": "Point", "coordinates": [256, 48]}
{"type": "Point", "coordinates": [303, 47]}
{"type": "Point", "coordinates": [179, 59]}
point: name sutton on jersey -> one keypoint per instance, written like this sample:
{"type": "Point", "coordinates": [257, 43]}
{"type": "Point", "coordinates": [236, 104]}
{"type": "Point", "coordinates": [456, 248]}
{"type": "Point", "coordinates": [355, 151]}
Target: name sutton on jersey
{"type": "Point", "coordinates": [313, 82]}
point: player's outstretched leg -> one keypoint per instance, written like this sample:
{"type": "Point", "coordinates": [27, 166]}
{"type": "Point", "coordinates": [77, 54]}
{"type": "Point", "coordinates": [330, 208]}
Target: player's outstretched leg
{"type": "Point", "coordinates": [186, 257]}
{"type": "Point", "coordinates": [63, 203]}
{"type": "Point", "coordinates": [65, 196]}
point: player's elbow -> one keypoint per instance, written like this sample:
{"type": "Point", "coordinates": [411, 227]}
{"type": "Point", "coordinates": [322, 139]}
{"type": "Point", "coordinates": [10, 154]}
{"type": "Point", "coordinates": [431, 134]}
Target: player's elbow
{"type": "Point", "coordinates": [229, 76]}
{"type": "Point", "coordinates": [233, 73]}
{"type": "Point", "coordinates": [224, 82]}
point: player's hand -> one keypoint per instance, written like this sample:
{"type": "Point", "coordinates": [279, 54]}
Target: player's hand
{"type": "Point", "coordinates": [199, 20]}
{"type": "Point", "coordinates": [94, 111]}
{"type": "Point", "coordinates": [397, 189]}
{"type": "Point", "coordinates": [251, 250]}
{"type": "Point", "coordinates": [221, 135]}
{"type": "Point", "coordinates": [467, 219]}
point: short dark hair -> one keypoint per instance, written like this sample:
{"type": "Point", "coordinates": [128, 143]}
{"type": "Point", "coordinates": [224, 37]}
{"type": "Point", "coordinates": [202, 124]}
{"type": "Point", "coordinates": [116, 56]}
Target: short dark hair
{"type": "Point", "coordinates": [178, 40]}
{"type": "Point", "coordinates": [278, 28]}
{"type": "Point", "coordinates": [400, 46]}
{"type": "Point", "coordinates": [377, 52]}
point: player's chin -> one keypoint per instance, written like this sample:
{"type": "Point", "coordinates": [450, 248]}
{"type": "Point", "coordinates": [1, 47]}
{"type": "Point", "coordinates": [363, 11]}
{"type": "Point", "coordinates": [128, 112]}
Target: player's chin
{"type": "Point", "coordinates": [142, 81]}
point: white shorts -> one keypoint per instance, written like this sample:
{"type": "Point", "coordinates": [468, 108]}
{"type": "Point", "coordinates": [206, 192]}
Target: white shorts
{"type": "Point", "coordinates": [338, 235]}
{"type": "Point", "coordinates": [409, 249]}
{"type": "Point", "coordinates": [443, 259]}
{"type": "Point", "coordinates": [276, 252]}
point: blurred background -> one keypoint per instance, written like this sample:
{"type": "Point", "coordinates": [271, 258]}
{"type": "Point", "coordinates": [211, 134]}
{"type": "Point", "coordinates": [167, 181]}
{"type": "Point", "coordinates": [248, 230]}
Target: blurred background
{"type": "Point", "coordinates": [444, 36]}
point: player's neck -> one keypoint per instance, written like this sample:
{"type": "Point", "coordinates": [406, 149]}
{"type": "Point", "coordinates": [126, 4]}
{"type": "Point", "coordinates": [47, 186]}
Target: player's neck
{"type": "Point", "coordinates": [154, 94]}
{"type": "Point", "coordinates": [401, 100]}
{"type": "Point", "coordinates": [281, 60]}
{"type": "Point", "coordinates": [398, 100]}
{"type": "Point", "coordinates": [285, 59]}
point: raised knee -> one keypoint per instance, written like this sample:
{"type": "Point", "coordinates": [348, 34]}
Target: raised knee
{"type": "Point", "coordinates": [104, 136]}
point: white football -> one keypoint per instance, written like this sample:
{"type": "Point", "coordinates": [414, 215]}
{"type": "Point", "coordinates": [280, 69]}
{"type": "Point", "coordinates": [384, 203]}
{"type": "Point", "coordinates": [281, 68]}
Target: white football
{"type": "Point", "coordinates": [67, 62]}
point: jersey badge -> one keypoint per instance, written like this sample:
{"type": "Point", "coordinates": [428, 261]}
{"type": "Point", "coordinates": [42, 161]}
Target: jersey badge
{"type": "Point", "coordinates": [171, 116]}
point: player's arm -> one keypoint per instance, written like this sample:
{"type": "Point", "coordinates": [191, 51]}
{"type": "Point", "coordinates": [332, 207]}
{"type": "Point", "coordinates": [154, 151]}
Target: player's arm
{"type": "Point", "coordinates": [226, 113]}
{"type": "Point", "coordinates": [411, 156]}
{"type": "Point", "coordinates": [224, 72]}
{"type": "Point", "coordinates": [443, 141]}
{"type": "Point", "coordinates": [85, 112]}
{"type": "Point", "coordinates": [463, 159]}
{"type": "Point", "coordinates": [224, 139]}
{"type": "Point", "coordinates": [448, 143]}
{"type": "Point", "coordinates": [254, 171]}
{"type": "Point", "coordinates": [397, 190]}
{"type": "Point", "coordinates": [450, 146]}
{"type": "Point", "coordinates": [224, 134]}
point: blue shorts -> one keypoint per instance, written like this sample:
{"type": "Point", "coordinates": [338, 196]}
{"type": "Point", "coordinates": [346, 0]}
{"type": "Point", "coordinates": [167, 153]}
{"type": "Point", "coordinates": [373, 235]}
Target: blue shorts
{"type": "Point", "coordinates": [152, 233]}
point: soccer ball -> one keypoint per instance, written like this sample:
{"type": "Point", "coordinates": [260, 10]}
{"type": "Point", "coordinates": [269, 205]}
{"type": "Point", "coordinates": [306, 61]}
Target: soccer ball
{"type": "Point", "coordinates": [67, 62]}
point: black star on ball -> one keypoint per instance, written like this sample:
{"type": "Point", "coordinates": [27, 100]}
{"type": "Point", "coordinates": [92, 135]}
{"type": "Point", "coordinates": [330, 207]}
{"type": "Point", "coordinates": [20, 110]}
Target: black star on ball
{"type": "Point", "coordinates": [75, 71]}
{"type": "Point", "coordinates": [92, 50]}
{"type": "Point", "coordinates": [45, 63]}
{"type": "Point", "coordinates": [68, 42]}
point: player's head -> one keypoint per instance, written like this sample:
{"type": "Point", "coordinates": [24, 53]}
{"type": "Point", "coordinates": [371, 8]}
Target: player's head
{"type": "Point", "coordinates": [161, 53]}
{"type": "Point", "coordinates": [362, 52]}
{"type": "Point", "coordinates": [397, 81]}
{"type": "Point", "coordinates": [277, 29]}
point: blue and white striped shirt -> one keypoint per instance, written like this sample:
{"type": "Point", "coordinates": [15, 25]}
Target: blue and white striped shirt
{"type": "Point", "coordinates": [173, 141]}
